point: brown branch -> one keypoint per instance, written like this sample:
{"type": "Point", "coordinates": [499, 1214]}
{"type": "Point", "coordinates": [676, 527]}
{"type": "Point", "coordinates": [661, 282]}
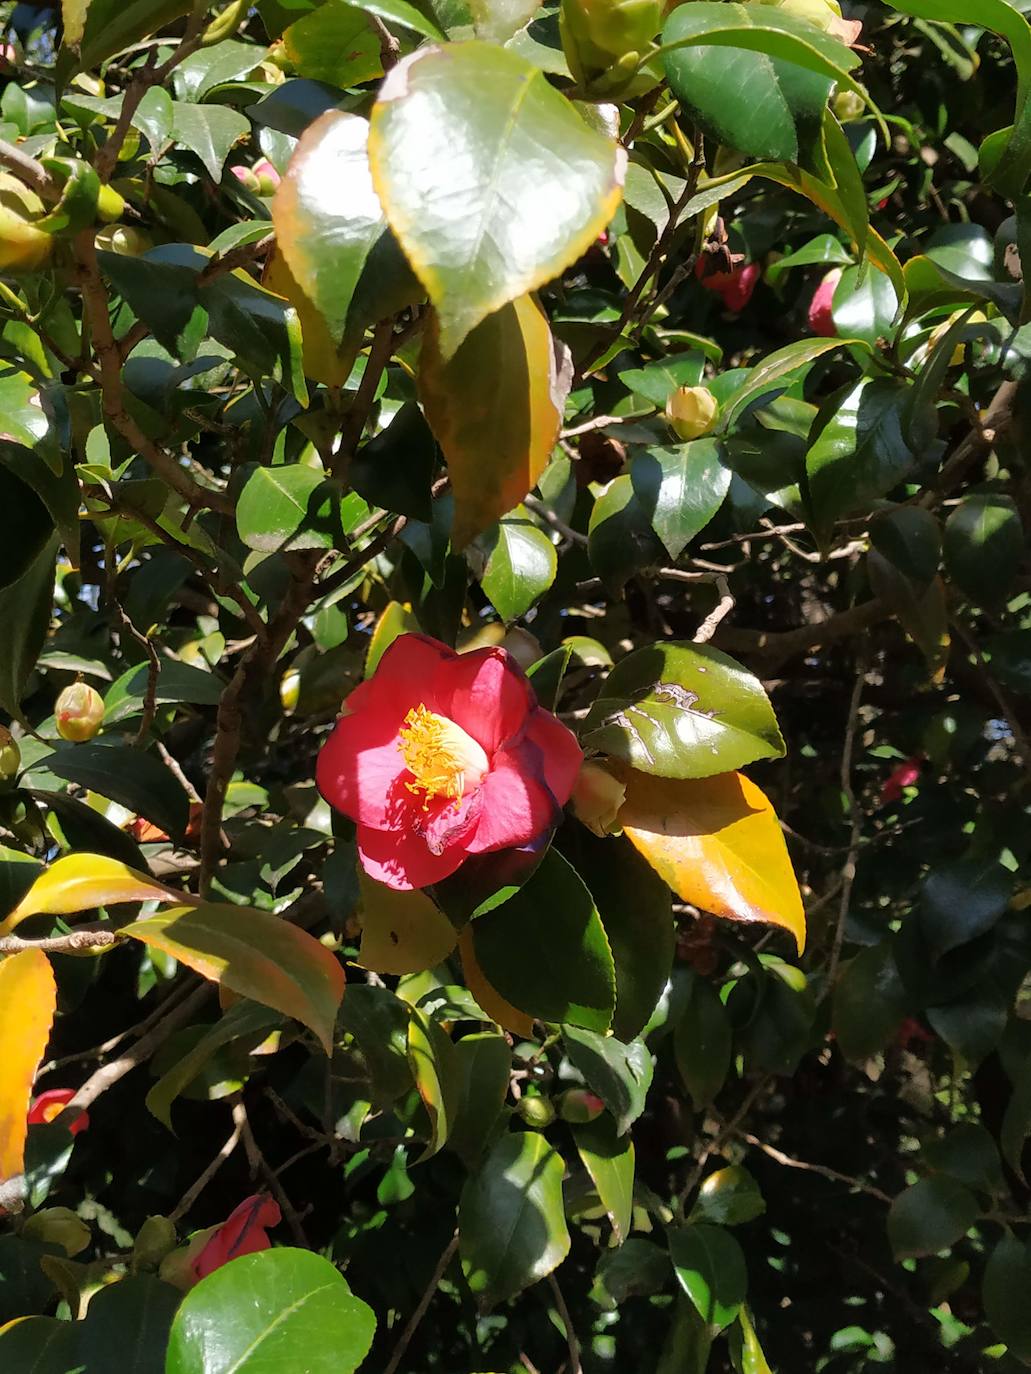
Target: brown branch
{"type": "Point", "coordinates": [259, 1164]}
{"type": "Point", "coordinates": [718, 614]}
{"type": "Point", "coordinates": [28, 170]}
{"type": "Point", "coordinates": [781, 644]}
{"type": "Point", "coordinates": [243, 255]}
{"type": "Point", "coordinates": [572, 1341]}
{"type": "Point", "coordinates": [75, 942]}
{"type": "Point", "coordinates": [110, 1074]}
{"type": "Point", "coordinates": [96, 308]}
{"type": "Point", "coordinates": [389, 46]}
{"type": "Point", "coordinates": [354, 422]}
{"type": "Point", "coordinates": [194, 1191]}
{"type": "Point", "coordinates": [831, 1174]}
{"type": "Point", "coordinates": [848, 872]}
{"type": "Point", "coordinates": [412, 1324]}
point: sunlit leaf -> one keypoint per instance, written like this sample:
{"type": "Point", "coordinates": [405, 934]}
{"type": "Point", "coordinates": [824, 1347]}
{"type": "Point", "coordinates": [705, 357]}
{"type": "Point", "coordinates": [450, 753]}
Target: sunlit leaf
{"type": "Point", "coordinates": [28, 1000]}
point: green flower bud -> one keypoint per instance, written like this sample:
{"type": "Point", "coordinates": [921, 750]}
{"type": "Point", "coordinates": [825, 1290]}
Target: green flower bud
{"type": "Point", "coordinates": [154, 1241]}
{"type": "Point", "coordinates": [536, 1112]}
{"type": "Point", "coordinates": [10, 755]}
{"type": "Point", "coordinates": [79, 712]}
{"type": "Point", "coordinates": [579, 1106]}
{"type": "Point", "coordinates": [604, 41]}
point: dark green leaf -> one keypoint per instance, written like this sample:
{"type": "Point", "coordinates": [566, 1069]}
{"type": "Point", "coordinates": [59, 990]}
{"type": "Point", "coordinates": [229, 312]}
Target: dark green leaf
{"type": "Point", "coordinates": [930, 1216]}
{"type": "Point", "coordinates": [1007, 1282]}
{"type": "Point", "coordinates": [25, 615]}
{"type": "Point", "coordinates": [711, 1268]}
{"type": "Point", "coordinates": [728, 1197]}
{"type": "Point", "coordinates": [910, 539]}
{"type": "Point", "coordinates": [962, 900]}
{"type": "Point", "coordinates": [510, 1218]}
{"type": "Point", "coordinates": [620, 1074]}
{"type": "Point", "coordinates": [984, 547]}
{"type": "Point", "coordinates": [702, 1040]}
{"type": "Point", "coordinates": [870, 1002]}
{"type": "Point", "coordinates": [128, 776]}
{"type": "Point", "coordinates": [968, 1153]}
{"type": "Point", "coordinates": [127, 1327]}
{"type": "Point", "coordinates": [637, 1268]}
{"type": "Point", "coordinates": [482, 1064]}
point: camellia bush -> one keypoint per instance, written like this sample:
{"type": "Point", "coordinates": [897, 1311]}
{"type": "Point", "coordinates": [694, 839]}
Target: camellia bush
{"type": "Point", "coordinates": [515, 668]}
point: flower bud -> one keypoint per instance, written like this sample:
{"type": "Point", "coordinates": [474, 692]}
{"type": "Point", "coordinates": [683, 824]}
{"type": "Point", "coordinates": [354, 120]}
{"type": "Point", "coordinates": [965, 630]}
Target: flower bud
{"type": "Point", "coordinates": [247, 178]}
{"type": "Point", "coordinates": [578, 1105]}
{"type": "Point", "coordinates": [124, 239]}
{"type": "Point", "coordinates": [597, 798]}
{"type": "Point", "coordinates": [848, 105]}
{"type": "Point", "coordinates": [604, 40]}
{"type": "Point", "coordinates": [536, 1112]}
{"type": "Point", "coordinates": [290, 690]}
{"type": "Point", "coordinates": [10, 755]}
{"type": "Point", "coordinates": [79, 712]}
{"type": "Point", "coordinates": [154, 1242]}
{"type": "Point", "coordinates": [268, 177]}
{"type": "Point", "coordinates": [58, 1226]}
{"type": "Point", "coordinates": [692, 411]}
{"type": "Point", "coordinates": [821, 312]}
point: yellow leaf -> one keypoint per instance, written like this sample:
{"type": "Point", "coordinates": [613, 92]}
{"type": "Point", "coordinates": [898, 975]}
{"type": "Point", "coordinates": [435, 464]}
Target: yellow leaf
{"type": "Point", "coordinates": [402, 932]}
{"type": "Point", "coordinates": [495, 408]}
{"type": "Point", "coordinates": [322, 362]}
{"type": "Point", "coordinates": [486, 996]}
{"type": "Point", "coordinates": [28, 999]}
{"type": "Point", "coordinates": [396, 620]}
{"type": "Point", "coordinates": [81, 882]}
{"type": "Point", "coordinates": [254, 954]}
{"type": "Point", "coordinates": [717, 843]}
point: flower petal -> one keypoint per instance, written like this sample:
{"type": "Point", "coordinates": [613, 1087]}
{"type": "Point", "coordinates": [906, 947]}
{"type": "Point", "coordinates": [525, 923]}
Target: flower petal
{"type": "Point", "coordinates": [360, 770]}
{"type": "Point", "coordinates": [402, 859]}
{"type": "Point", "coordinates": [517, 805]}
{"type": "Point", "coordinates": [561, 753]}
{"type": "Point", "coordinates": [409, 672]}
{"type": "Point", "coordinates": [491, 696]}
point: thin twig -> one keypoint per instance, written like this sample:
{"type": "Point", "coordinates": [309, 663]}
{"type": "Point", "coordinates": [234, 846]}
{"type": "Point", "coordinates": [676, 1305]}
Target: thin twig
{"type": "Point", "coordinates": [718, 614]}
{"type": "Point", "coordinates": [831, 1174]}
{"type": "Point", "coordinates": [176, 993]}
{"type": "Point", "coordinates": [538, 507]}
{"type": "Point", "coordinates": [855, 815]}
{"type": "Point", "coordinates": [76, 942]}
{"type": "Point", "coordinates": [572, 1342]}
{"type": "Point", "coordinates": [412, 1325]}
{"type": "Point", "coordinates": [259, 1164]}
{"type": "Point", "coordinates": [194, 1191]}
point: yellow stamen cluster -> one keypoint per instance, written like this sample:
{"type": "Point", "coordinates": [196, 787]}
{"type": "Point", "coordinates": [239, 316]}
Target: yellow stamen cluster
{"type": "Point", "coordinates": [441, 757]}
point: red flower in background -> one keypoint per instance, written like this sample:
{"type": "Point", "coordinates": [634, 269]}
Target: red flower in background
{"type": "Point", "coordinates": [734, 287]}
{"type": "Point", "coordinates": [821, 315]}
{"type": "Point", "coordinates": [905, 775]}
{"type": "Point", "coordinates": [49, 1105]}
{"type": "Point", "coordinates": [442, 755]}
{"type": "Point", "coordinates": [242, 1233]}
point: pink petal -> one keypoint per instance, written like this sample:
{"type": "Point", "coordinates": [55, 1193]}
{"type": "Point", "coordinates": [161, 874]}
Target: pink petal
{"type": "Point", "coordinates": [821, 313]}
{"type": "Point", "coordinates": [360, 770]}
{"type": "Point", "coordinates": [560, 751]}
{"type": "Point", "coordinates": [517, 804]}
{"type": "Point", "coordinates": [409, 672]}
{"type": "Point", "coordinates": [490, 696]}
{"type": "Point", "coordinates": [402, 859]}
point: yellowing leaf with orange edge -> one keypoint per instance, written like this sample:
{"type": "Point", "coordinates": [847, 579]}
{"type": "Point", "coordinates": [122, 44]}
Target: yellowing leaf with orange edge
{"type": "Point", "coordinates": [82, 882]}
{"type": "Point", "coordinates": [486, 996]}
{"type": "Point", "coordinates": [322, 362]}
{"type": "Point", "coordinates": [402, 932]}
{"type": "Point", "coordinates": [717, 843]}
{"type": "Point", "coordinates": [28, 1000]}
{"type": "Point", "coordinates": [496, 409]}
{"type": "Point", "coordinates": [254, 954]}
{"type": "Point", "coordinates": [490, 179]}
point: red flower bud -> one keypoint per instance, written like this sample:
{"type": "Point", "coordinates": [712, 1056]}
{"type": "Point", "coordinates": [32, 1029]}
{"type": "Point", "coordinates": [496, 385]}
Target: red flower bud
{"type": "Point", "coordinates": [821, 315]}
{"type": "Point", "coordinates": [905, 775]}
{"type": "Point", "coordinates": [49, 1105]}
{"type": "Point", "coordinates": [243, 1233]}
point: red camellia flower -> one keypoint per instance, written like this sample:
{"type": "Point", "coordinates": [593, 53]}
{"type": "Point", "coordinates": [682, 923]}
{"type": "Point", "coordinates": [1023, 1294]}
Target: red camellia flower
{"type": "Point", "coordinates": [49, 1105]}
{"type": "Point", "coordinates": [242, 1233]}
{"type": "Point", "coordinates": [735, 287]}
{"type": "Point", "coordinates": [905, 775]}
{"type": "Point", "coordinates": [442, 755]}
{"type": "Point", "coordinates": [821, 315]}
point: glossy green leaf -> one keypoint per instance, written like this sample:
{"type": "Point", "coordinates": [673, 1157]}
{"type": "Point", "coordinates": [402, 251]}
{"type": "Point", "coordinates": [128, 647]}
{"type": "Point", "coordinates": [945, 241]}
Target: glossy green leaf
{"type": "Point", "coordinates": [961, 900]}
{"type": "Point", "coordinates": [209, 131]}
{"type": "Point", "coordinates": [864, 306]}
{"type": "Point", "coordinates": [431, 1056]}
{"type": "Point", "coordinates": [910, 539]}
{"type": "Point", "coordinates": [334, 43]}
{"type": "Point", "coordinates": [620, 1074]}
{"type": "Point", "coordinates": [288, 509]}
{"type": "Point", "coordinates": [25, 527]}
{"type": "Point", "coordinates": [521, 564]}
{"type": "Point", "coordinates": [482, 1064]}
{"type": "Point", "coordinates": [682, 710]}
{"type": "Point", "coordinates": [271, 1310]}
{"type": "Point", "coordinates": [621, 541]}
{"type": "Point", "coordinates": [127, 1326]}
{"type": "Point", "coordinates": [968, 1153]}
{"type": "Point", "coordinates": [984, 547]}
{"type": "Point", "coordinates": [702, 1041]}
{"type": "Point", "coordinates": [551, 912]}
{"type": "Point", "coordinates": [608, 1156]}
{"type": "Point", "coordinates": [395, 468]}
{"type": "Point", "coordinates": [728, 1197]}
{"type": "Point", "coordinates": [100, 28]}
{"type": "Point", "coordinates": [788, 65]}
{"type": "Point", "coordinates": [711, 1269]}
{"type": "Point", "coordinates": [43, 1345]}
{"type": "Point", "coordinates": [379, 1021]}
{"type": "Point", "coordinates": [1007, 1281]}
{"type": "Point", "coordinates": [254, 954]}
{"type": "Point", "coordinates": [326, 214]}
{"type": "Point", "coordinates": [495, 408]}
{"type": "Point", "coordinates": [635, 909]}
{"type": "Point", "coordinates": [511, 1223]}
{"type": "Point", "coordinates": [930, 1216]}
{"type": "Point", "coordinates": [857, 451]}
{"type": "Point", "coordinates": [775, 373]}
{"type": "Point", "coordinates": [465, 115]}
{"type": "Point", "coordinates": [25, 614]}
{"type": "Point", "coordinates": [637, 1268]}
{"type": "Point", "coordinates": [58, 492]}
{"type": "Point", "coordinates": [657, 380]}
{"type": "Point", "coordinates": [133, 778]}
{"type": "Point", "coordinates": [400, 12]}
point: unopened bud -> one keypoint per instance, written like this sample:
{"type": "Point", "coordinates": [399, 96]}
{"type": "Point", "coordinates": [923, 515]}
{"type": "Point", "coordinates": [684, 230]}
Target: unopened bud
{"type": "Point", "coordinates": [597, 798]}
{"type": "Point", "coordinates": [154, 1242]}
{"type": "Point", "coordinates": [79, 712]}
{"type": "Point", "coordinates": [848, 105]}
{"type": "Point", "coordinates": [536, 1112]}
{"type": "Point", "coordinates": [579, 1106]}
{"type": "Point", "coordinates": [10, 755]}
{"type": "Point", "coordinates": [58, 1226]}
{"type": "Point", "coordinates": [692, 411]}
